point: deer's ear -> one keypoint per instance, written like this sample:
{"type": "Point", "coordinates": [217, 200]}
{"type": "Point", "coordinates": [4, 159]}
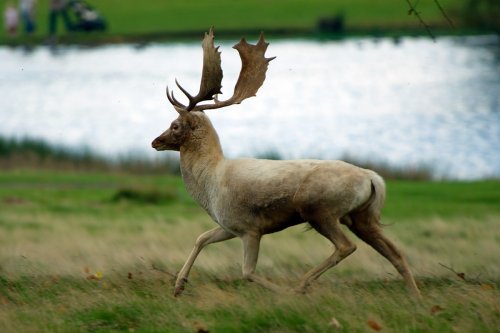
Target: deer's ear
{"type": "Point", "coordinates": [192, 121]}
{"type": "Point", "coordinates": [180, 111]}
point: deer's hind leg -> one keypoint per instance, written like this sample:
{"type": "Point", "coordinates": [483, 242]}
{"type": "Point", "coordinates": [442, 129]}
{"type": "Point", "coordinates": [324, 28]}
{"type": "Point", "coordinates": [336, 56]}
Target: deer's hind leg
{"type": "Point", "coordinates": [369, 230]}
{"type": "Point", "coordinates": [331, 229]}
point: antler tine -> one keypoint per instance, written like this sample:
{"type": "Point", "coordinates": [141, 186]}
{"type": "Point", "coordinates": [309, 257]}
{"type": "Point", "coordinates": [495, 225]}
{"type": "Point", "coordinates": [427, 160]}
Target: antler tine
{"type": "Point", "coordinates": [211, 77]}
{"type": "Point", "coordinates": [173, 100]}
{"type": "Point", "coordinates": [188, 95]}
{"type": "Point", "coordinates": [252, 74]}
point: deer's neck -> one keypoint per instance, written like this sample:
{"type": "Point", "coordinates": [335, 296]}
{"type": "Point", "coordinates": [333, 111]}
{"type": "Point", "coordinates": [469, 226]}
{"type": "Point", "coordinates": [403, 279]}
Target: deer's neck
{"type": "Point", "coordinates": [199, 163]}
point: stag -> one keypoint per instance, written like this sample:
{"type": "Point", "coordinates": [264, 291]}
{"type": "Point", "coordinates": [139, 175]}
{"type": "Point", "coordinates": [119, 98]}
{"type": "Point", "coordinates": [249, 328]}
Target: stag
{"type": "Point", "coordinates": [249, 198]}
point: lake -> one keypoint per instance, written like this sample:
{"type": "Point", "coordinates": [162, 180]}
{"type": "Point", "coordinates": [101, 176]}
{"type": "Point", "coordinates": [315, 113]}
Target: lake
{"type": "Point", "coordinates": [409, 102]}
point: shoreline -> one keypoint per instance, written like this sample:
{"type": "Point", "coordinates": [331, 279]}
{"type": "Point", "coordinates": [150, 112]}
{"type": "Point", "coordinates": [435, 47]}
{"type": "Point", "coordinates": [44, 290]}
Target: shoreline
{"type": "Point", "coordinates": [92, 39]}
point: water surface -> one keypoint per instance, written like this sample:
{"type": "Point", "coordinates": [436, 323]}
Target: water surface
{"type": "Point", "coordinates": [410, 103]}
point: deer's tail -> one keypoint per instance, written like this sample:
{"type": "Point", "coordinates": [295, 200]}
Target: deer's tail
{"type": "Point", "coordinates": [378, 191]}
{"type": "Point", "coordinates": [369, 211]}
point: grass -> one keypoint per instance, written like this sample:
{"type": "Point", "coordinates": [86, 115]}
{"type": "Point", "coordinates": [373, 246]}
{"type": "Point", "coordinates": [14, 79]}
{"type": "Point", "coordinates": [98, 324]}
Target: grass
{"type": "Point", "coordinates": [97, 251]}
{"type": "Point", "coordinates": [129, 19]}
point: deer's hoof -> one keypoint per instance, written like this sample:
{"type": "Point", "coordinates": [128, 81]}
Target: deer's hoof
{"type": "Point", "coordinates": [301, 289]}
{"type": "Point", "coordinates": [179, 287]}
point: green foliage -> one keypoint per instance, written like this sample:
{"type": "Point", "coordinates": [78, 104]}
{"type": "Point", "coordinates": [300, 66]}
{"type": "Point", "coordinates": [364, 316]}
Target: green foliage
{"type": "Point", "coordinates": [144, 196]}
{"type": "Point", "coordinates": [483, 14]}
{"type": "Point", "coordinates": [390, 172]}
{"type": "Point", "coordinates": [42, 151]}
{"type": "Point", "coordinates": [270, 155]}
{"type": "Point", "coordinates": [36, 153]}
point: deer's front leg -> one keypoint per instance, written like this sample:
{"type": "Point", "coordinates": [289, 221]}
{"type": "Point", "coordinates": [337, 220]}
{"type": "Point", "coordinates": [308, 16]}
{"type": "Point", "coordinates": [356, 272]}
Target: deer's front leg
{"type": "Point", "coordinates": [212, 236]}
{"type": "Point", "coordinates": [251, 244]}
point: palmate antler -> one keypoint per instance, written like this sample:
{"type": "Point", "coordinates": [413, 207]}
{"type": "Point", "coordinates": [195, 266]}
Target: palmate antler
{"type": "Point", "coordinates": [252, 75]}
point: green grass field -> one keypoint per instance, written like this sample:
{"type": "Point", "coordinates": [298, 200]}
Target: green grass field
{"type": "Point", "coordinates": [129, 19]}
{"type": "Point", "coordinates": [96, 252]}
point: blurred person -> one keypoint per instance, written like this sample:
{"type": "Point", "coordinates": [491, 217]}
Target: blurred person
{"type": "Point", "coordinates": [27, 9]}
{"type": "Point", "coordinates": [58, 8]}
{"type": "Point", "coordinates": [11, 19]}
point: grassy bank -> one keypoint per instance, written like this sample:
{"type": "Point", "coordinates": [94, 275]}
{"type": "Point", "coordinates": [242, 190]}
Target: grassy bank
{"type": "Point", "coordinates": [97, 251]}
{"type": "Point", "coordinates": [154, 19]}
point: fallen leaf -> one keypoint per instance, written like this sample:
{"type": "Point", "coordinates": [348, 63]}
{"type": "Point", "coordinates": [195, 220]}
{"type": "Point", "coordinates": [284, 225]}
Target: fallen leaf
{"type": "Point", "coordinates": [374, 325]}
{"type": "Point", "coordinates": [95, 276]}
{"type": "Point", "coordinates": [200, 327]}
{"type": "Point", "coordinates": [435, 309]}
{"type": "Point", "coordinates": [129, 275]}
{"type": "Point", "coordinates": [334, 323]}
{"type": "Point", "coordinates": [487, 286]}
{"type": "Point", "coordinates": [461, 275]}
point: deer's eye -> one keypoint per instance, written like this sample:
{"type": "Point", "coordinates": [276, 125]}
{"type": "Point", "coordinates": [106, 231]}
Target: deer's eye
{"type": "Point", "coordinates": [175, 127]}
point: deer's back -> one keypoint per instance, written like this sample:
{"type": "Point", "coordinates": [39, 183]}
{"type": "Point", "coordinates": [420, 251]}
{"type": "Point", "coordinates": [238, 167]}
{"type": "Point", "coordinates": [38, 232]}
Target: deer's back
{"type": "Point", "coordinates": [270, 195]}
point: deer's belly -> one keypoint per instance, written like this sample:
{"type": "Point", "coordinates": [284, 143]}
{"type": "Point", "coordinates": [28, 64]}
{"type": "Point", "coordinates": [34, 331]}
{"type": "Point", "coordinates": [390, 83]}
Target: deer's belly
{"type": "Point", "coordinates": [260, 218]}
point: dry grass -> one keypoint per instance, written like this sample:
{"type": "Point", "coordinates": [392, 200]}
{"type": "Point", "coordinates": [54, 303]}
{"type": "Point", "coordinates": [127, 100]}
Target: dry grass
{"type": "Point", "coordinates": [44, 244]}
{"type": "Point", "coordinates": [89, 263]}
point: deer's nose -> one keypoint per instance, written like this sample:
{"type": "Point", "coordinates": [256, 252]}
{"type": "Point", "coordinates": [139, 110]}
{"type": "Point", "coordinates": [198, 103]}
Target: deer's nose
{"type": "Point", "coordinates": [156, 142]}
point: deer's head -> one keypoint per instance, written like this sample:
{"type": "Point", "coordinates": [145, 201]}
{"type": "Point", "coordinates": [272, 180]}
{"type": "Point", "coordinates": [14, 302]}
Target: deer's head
{"type": "Point", "coordinates": [192, 124]}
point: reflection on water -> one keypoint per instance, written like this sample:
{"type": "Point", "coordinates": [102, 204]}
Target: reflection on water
{"type": "Point", "coordinates": [411, 103]}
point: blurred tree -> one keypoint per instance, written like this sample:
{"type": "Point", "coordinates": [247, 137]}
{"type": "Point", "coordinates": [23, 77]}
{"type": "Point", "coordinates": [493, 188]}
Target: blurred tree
{"type": "Point", "coordinates": [483, 14]}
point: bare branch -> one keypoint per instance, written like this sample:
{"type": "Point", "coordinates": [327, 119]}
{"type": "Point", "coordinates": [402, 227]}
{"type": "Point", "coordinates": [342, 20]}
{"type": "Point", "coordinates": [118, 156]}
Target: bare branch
{"type": "Point", "coordinates": [156, 268]}
{"type": "Point", "coordinates": [413, 11]}
{"type": "Point", "coordinates": [444, 14]}
{"type": "Point", "coordinates": [461, 275]}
